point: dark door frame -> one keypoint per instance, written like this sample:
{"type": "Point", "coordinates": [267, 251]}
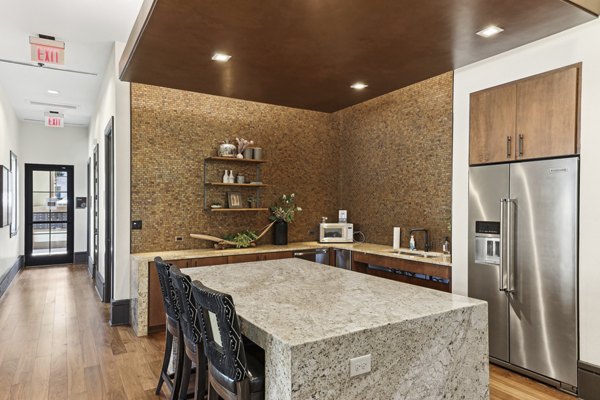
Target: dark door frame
{"type": "Point", "coordinates": [109, 209]}
{"type": "Point", "coordinates": [98, 281]}
{"type": "Point", "coordinates": [89, 218]}
{"type": "Point", "coordinates": [49, 259]}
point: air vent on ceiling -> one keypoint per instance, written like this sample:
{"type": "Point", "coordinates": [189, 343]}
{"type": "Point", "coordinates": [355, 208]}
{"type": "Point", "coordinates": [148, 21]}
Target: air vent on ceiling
{"type": "Point", "coordinates": [53, 105]}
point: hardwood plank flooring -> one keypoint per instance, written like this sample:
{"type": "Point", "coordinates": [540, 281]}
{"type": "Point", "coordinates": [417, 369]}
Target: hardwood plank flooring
{"type": "Point", "coordinates": [506, 385]}
{"type": "Point", "coordinates": [55, 343]}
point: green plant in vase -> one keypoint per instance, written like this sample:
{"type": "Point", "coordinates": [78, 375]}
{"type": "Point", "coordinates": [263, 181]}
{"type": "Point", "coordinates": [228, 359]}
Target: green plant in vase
{"type": "Point", "coordinates": [283, 213]}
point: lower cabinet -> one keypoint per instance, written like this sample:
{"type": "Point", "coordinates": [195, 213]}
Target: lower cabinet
{"type": "Point", "coordinates": [207, 261]}
{"type": "Point", "coordinates": [424, 274]}
{"type": "Point", "coordinates": [242, 258]}
{"type": "Point", "coordinates": [156, 312]}
{"type": "Point", "coordinates": [276, 256]}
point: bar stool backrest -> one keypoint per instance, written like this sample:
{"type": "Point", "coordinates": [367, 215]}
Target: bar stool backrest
{"type": "Point", "coordinates": [166, 288]}
{"type": "Point", "coordinates": [190, 324]}
{"type": "Point", "coordinates": [221, 333]}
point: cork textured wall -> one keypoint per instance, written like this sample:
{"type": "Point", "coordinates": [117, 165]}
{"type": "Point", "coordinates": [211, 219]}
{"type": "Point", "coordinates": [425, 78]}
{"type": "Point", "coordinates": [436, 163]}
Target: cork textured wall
{"type": "Point", "coordinates": [387, 161]}
{"type": "Point", "coordinates": [173, 131]}
{"type": "Point", "coordinates": [396, 162]}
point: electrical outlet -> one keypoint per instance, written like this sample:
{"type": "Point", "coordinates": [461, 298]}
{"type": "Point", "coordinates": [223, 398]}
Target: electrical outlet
{"type": "Point", "coordinates": [178, 238]}
{"type": "Point", "coordinates": [360, 365]}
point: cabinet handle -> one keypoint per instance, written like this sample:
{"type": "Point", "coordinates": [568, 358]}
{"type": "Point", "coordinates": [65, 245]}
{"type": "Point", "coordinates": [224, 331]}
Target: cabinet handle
{"type": "Point", "coordinates": [508, 146]}
{"type": "Point", "coordinates": [521, 145]}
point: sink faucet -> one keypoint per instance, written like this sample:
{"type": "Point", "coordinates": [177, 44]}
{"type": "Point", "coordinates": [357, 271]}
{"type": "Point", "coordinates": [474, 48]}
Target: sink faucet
{"type": "Point", "coordinates": [427, 245]}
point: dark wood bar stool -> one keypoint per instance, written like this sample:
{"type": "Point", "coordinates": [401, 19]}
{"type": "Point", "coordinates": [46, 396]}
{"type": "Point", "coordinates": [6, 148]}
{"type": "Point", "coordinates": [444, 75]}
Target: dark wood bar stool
{"type": "Point", "coordinates": [192, 335]}
{"type": "Point", "coordinates": [173, 330]}
{"type": "Point", "coordinates": [233, 373]}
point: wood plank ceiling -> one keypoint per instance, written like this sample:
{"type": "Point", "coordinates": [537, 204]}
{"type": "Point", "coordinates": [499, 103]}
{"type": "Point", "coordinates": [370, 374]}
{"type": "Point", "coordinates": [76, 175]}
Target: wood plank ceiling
{"type": "Point", "coordinates": [306, 54]}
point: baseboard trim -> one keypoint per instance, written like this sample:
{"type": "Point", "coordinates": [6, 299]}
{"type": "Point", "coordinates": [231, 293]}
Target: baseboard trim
{"type": "Point", "coordinates": [80, 257]}
{"type": "Point", "coordinates": [119, 312]}
{"type": "Point", "coordinates": [100, 287]}
{"type": "Point", "coordinates": [8, 277]}
{"type": "Point", "coordinates": [588, 380]}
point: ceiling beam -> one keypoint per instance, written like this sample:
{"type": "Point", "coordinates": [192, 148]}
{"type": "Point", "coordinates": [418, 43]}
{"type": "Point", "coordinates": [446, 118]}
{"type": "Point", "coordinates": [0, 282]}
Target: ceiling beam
{"type": "Point", "coordinates": [592, 6]}
{"type": "Point", "coordinates": [136, 33]}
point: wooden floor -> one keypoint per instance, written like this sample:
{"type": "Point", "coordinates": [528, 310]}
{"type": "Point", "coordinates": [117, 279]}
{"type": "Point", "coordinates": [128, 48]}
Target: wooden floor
{"type": "Point", "coordinates": [55, 343]}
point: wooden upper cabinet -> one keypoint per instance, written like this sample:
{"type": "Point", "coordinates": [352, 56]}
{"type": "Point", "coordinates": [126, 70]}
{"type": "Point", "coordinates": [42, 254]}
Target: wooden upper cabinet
{"type": "Point", "coordinates": [547, 110]}
{"type": "Point", "coordinates": [493, 123]}
{"type": "Point", "coordinates": [536, 117]}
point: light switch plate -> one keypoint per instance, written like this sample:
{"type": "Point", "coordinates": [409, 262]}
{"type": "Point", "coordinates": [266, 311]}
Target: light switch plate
{"type": "Point", "coordinates": [360, 365]}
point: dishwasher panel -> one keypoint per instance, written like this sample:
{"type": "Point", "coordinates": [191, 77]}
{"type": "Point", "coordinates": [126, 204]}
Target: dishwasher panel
{"type": "Point", "coordinates": [320, 256]}
{"type": "Point", "coordinates": [343, 259]}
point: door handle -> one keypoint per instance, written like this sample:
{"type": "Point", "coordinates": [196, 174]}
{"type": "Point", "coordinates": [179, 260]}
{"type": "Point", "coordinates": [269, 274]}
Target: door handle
{"type": "Point", "coordinates": [306, 253]}
{"type": "Point", "coordinates": [508, 146]}
{"type": "Point", "coordinates": [521, 139]}
{"type": "Point", "coordinates": [510, 241]}
{"type": "Point", "coordinates": [501, 280]}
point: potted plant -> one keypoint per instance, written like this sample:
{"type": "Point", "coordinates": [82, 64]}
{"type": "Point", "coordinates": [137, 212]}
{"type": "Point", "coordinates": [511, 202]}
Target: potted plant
{"type": "Point", "coordinates": [282, 214]}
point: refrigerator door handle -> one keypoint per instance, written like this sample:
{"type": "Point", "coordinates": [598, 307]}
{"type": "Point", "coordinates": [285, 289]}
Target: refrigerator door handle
{"type": "Point", "coordinates": [510, 244]}
{"type": "Point", "coordinates": [501, 269]}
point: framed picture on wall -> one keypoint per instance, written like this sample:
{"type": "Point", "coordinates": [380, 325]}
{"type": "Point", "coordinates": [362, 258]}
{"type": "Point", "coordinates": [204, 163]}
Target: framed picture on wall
{"type": "Point", "coordinates": [4, 214]}
{"type": "Point", "coordinates": [13, 192]}
{"type": "Point", "coordinates": [234, 199]}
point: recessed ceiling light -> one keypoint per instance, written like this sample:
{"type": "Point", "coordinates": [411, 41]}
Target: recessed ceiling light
{"type": "Point", "coordinates": [358, 86]}
{"type": "Point", "coordinates": [490, 31]}
{"type": "Point", "coordinates": [220, 57]}
{"type": "Point", "coordinates": [53, 92]}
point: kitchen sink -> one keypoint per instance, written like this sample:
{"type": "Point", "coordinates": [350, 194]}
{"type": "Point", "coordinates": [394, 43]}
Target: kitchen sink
{"type": "Point", "coordinates": [415, 253]}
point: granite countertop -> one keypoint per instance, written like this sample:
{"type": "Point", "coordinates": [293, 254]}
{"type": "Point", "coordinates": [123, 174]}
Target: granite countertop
{"type": "Point", "coordinates": [321, 301]}
{"type": "Point", "coordinates": [369, 248]}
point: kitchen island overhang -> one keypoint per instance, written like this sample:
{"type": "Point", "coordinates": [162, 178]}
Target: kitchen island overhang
{"type": "Point", "coordinates": [312, 319]}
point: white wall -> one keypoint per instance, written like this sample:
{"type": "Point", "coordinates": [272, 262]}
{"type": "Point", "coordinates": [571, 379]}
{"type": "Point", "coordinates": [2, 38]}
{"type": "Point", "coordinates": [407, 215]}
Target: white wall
{"type": "Point", "coordinates": [114, 100]}
{"type": "Point", "coordinates": [580, 44]}
{"type": "Point", "coordinates": [61, 146]}
{"type": "Point", "coordinates": [9, 140]}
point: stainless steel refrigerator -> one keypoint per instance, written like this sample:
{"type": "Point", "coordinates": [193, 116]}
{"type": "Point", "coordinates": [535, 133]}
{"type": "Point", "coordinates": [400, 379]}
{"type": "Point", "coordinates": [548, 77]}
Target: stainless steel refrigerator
{"type": "Point", "coordinates": [523, 240]}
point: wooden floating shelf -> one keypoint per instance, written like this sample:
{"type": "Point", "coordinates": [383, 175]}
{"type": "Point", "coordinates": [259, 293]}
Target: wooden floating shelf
{"type": "Point", "coordinates": [238, 184]}
{"type": "Point", "coordinates": [235, 159]}
{"type": "Point", "coordinates": [237, 209]}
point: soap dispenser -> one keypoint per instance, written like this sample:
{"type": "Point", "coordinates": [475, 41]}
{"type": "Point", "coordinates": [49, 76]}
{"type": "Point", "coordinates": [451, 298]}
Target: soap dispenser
{"type": "Point", "coordinates": [446, 245]}
{"type": "Point", "coordinates": [412, 244]}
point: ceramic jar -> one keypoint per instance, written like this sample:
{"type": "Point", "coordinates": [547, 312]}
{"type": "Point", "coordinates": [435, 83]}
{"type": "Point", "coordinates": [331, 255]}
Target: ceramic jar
{"type": "Point", "coordinates": [227, 150]}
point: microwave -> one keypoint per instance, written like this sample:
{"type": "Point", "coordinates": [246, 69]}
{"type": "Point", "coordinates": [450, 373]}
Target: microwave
{"type": "Point", "coordinates": [336, 233]}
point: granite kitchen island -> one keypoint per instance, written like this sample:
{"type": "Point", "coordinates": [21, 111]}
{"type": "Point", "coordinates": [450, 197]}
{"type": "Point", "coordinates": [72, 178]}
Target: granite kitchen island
{"type": "Point", "coordinates": [312, 319]}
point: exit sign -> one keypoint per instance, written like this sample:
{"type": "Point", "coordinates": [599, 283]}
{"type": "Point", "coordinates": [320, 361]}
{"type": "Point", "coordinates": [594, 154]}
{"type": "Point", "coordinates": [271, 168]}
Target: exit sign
{"type": "Point", "coordinates": [54, 120]}
{"type": "Point", "coordinates": [47, 51]}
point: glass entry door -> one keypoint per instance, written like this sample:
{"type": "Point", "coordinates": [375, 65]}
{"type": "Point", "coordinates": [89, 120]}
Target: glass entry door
{"type": "Point", "coordinates": [48, 214]}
